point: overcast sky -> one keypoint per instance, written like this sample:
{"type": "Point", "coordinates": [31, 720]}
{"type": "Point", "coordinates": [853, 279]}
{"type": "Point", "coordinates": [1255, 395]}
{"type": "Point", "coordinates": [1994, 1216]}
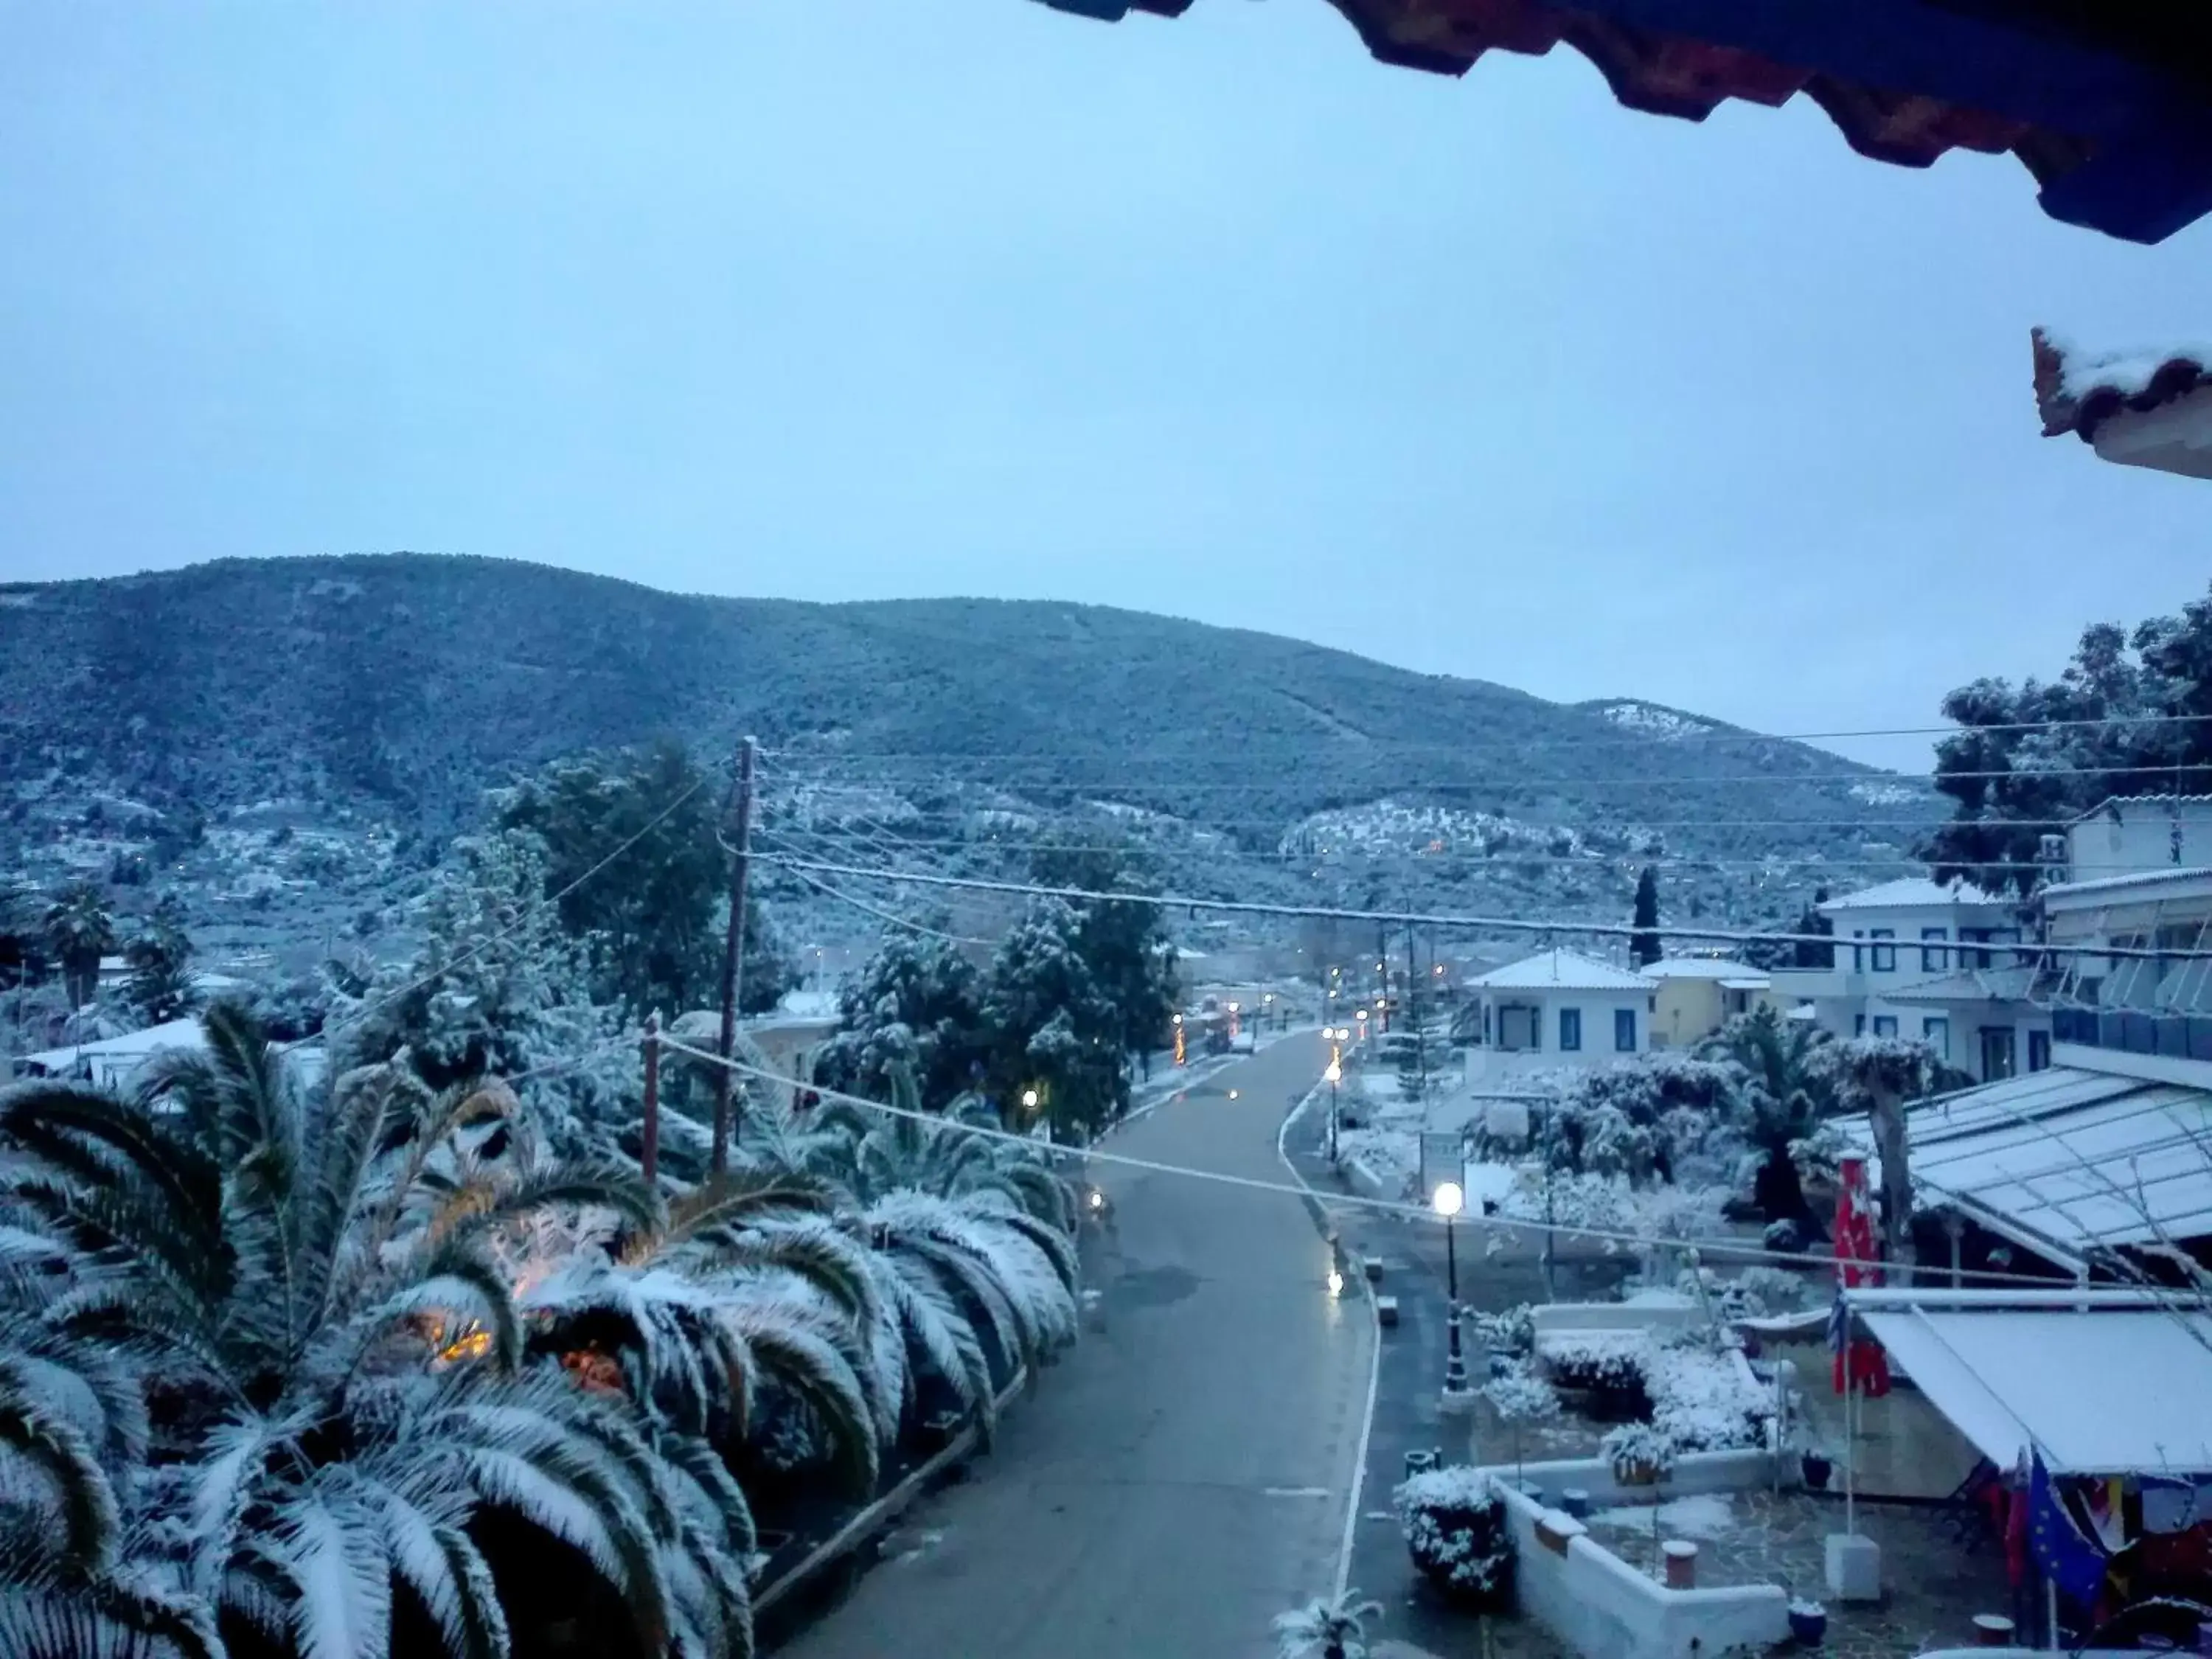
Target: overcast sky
{"type": "Point", "coordinates": [839, 299]}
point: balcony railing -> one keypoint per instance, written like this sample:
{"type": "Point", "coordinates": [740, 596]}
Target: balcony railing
{"type": "Point", "coordinates": [2128, 1031]}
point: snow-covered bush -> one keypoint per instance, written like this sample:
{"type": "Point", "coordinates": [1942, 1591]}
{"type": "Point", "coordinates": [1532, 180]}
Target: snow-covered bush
{"type": "Point", "coordinates": [1637, 1453]}
{"type": "Point", "coordinates": [1702, 1400]}
{"type": "Point", "coordinates": [1513, 1331]}
{"type": "Point", "coordinates": [1759, 1291]}
{"type": "Point", "coordinates": [1456, 1530]}
{"type": "Point", "coordinates": [1520, 1397]}
{"type": "Point", "coordinates": [1604, 1362]}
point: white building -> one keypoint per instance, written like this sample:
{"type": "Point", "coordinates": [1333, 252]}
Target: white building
{"type": "Point", "coordinates": [111, 1062]}
{"type": "Point", "coordinates": [1567, 1007]}
{"type": "Point", "coordinates": [2110, 1150]}
{"type": "Point", "coordinates": [1900, 971]}
{"type": "Point", "coordinates": [2137, 835]}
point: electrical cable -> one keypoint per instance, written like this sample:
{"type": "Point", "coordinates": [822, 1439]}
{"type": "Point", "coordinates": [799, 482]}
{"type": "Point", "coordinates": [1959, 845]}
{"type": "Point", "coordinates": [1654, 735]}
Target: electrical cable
{"type": "Point", "coordinates": [1352, 1200]}
{"type": "Point", "coordinates": [1459, 923]}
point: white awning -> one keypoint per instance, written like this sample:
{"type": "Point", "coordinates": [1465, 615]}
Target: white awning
{"type": "Point", "coordinates": [2066, 1161]}
{"type": "Point", "coordinates": [2110, 1391]}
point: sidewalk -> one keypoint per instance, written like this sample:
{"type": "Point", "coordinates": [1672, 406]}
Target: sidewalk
{"type": "Point", "coordinates": [1409, 1413]}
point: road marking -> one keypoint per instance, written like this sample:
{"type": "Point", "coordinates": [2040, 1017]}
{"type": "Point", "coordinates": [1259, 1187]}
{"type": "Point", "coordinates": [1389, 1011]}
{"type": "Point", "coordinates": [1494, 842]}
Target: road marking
{"type": "Point", "coordinates": [1374, 1350]}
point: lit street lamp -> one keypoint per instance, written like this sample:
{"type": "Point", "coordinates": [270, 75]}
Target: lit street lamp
{"type": "Point", "coordinates": [1333, 1075]}
{"type": "Point", "coordinates": [1029, 1100]}
{"type": "Point", "coordinates": [1449, 1200]}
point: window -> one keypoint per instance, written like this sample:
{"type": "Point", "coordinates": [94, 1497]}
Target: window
{"type": "Point", "coordinates": [1998, 1053]}
{"type": "Point", "coordinates": [1623, 1030]}
{"type": "Point", "coordinates": [2038, 1051]}
{"type": "Point", "coordinates": [1571, 1031]}
{"type": "Point", "coordinates": [1934, 962]}
{"type": "Point", "coordinates": [1985, 936]}
{"type": "Point", "coordinates": [1885, 1025]}
{"type": "Point", "coordinates": [1935, 1032]}
{"type": "Point", "coordinates": [1858, 1024]}
{"type": "Point", "coordinates": [1858, 956]}
{"type": "Point", "coordinates": [1884, 956]}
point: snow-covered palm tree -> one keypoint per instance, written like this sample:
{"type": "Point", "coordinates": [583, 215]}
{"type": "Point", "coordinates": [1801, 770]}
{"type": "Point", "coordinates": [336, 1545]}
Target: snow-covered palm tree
{"type": "Point", "coordinates": [1332, 1627]}
{"type": "Point", "coordinates": [340, 1355]}
{"type": "Point", "coordinates": [72, 1430]}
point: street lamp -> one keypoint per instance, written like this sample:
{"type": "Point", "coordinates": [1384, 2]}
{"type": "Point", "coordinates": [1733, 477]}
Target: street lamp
{"type": "Point", "coordinates": [1029, 1100]}
{"type": "Point", "coordinates": [1448, 1201]}
{"type": "Point", "coordinates": [1332, 1076]}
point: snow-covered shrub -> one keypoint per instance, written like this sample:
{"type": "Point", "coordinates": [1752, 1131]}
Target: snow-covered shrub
{"type": "Point", "coordinates": [1784, 1237]}
{"type": "Point", "coordinates": [1456, 1530]}
{"type": "Point", "coordinates": [1637, 1453]}
{"type": "Point", "coordinates": [1604, 1362]}
{"type": "Point", "coordinates": [1761, 1289]}
{"type": "Point", "coordinates": [1520, 1397]}
{"type": "Point", "coordinates": [1513, 1331]}
{"type": "Point", "coordinates": [1701, 1400]}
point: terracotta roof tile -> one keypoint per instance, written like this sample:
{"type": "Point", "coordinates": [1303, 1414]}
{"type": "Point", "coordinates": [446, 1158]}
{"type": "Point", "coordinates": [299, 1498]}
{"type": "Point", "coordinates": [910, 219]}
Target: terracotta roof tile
{"type": "Point", "coordinates": [2076, 392]}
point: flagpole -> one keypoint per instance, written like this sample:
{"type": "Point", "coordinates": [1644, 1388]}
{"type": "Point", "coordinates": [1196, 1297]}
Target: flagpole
{"type": "Point", "coordinates": [1851, 1436]}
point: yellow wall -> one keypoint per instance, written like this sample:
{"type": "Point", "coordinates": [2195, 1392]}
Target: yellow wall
{"type": "Point", "coordinates": [1688, 1010]}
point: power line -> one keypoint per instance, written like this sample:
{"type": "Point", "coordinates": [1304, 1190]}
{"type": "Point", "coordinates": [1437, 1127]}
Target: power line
{"type": "Point", "coordinates": [1594, 860]}
{"type": "Point", "coordinates": [373, 1005]}
{"type": "Point", "coordinates": [1870, 779]}
{"type": "Point", "coordinates": [1462, 923]}
{"type": "Point", "coordinates": [862, 905]}
{"type": "Point", "coordinates": [1702, 730]}
{"type": "Point", "coordinates": [1737, 1247]}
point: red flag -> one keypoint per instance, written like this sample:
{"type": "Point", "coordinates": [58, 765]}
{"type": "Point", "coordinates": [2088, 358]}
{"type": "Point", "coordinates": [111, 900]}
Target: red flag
{"type": "Point", "coordinates": [1856, 1266]}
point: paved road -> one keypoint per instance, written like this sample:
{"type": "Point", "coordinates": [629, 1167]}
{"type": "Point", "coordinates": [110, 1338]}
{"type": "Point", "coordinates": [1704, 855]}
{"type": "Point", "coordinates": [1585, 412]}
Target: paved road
{"type": "Point", "coordinates": [1182, 1476]}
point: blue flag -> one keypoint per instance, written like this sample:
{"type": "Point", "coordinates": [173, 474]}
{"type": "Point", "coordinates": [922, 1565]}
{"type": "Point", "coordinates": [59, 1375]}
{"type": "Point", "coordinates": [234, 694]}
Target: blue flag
{"type": "Point", "coordinates": [2067, 1559]}
{"type": "Point", "coordinates": [1839, 1323]}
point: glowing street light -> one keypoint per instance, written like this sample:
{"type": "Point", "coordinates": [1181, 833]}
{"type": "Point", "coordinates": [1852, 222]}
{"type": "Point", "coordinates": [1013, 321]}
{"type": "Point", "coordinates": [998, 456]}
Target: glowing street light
{"type": "Point", "coordinates": [1449, 1200]}
{"type": "Point", "coordinates": [1029, 1100]}
{"type": "Point", "coordinates": [1332, 1076]}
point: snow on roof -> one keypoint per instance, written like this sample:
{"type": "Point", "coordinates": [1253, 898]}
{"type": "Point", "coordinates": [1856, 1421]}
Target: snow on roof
{"type": "Point", "coordinates": [1910, 892]}
{"type": "Point", "coordinates": [809, 1004]}
{"type": "Point", "coordinates": [1561, 970]}
{"type": "Point", "coordinates": [2065, 1160]}
{"type": "Point", "coordinates": [2110, 804]}
{"type": "Point", "coordinates": [2104, 1391]}
{"type": "Point", "coordinates": [2177, 872]}
{"type": "Point", "coordinates": [1748, 982]}
{"type": "Point", "coordinates": [1719, 968]}
{"type": "Point", "coordinates": [1968, 985]}
{"type": "Point", "coordinates": [2076, 390]}
{"type": "Point", "coordinates": [110, 1061]}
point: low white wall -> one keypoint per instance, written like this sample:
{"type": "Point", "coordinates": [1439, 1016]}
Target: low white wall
{"type": "Point", "coordinates": [1662, 1319]}
{"type": "Point", "coordinates": [1604, 1608]}
{"type": "Point", "coordinates": [1694, 1472]}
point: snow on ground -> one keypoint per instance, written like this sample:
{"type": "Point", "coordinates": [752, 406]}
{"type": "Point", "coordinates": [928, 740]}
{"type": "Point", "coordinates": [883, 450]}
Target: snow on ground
{"type": "Point", "coordinates": [1701, 1515]}
{"type": "Point", "coordinates": [1392, 1156]}
{"type": "Point", "coordinates": [1653, 722]}
{"type": "Point", "coordinates": [1491, 1182]}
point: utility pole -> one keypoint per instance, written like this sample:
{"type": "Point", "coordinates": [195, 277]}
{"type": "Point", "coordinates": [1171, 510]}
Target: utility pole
{"type": "Point", "coordinates": [648, 1155]}
{"type": "Point", "coordinates": [733, 954]}
{"type": "Point", "coordinates": [1413, 1009]}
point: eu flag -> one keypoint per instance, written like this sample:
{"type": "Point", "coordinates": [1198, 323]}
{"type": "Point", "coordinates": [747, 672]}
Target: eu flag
{"type": "Point", "coordinates": [2067, 1559]}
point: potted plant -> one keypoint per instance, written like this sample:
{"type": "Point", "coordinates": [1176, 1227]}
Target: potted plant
{"type": "Point", "coordinates": [1808, 1621]}
{"type": "Point", "coordinates": [1816, 1467]}
{"type": "Point", "coordinates": [1334, 1628]}
{"type": "Point", "coordinates": [1456, 1530]}
{"type": "Point", "coordinates": [1638, 1454]}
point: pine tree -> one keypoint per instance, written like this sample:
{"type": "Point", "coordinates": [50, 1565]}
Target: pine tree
{"type": "Point", "coordinates": [1644, 943]}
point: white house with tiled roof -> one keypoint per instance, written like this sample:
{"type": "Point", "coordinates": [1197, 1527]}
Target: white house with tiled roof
{"type": "Point", "coordinates": [1570, 1008]}
{"type": "Point", "coordinates": [1899, 971]}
